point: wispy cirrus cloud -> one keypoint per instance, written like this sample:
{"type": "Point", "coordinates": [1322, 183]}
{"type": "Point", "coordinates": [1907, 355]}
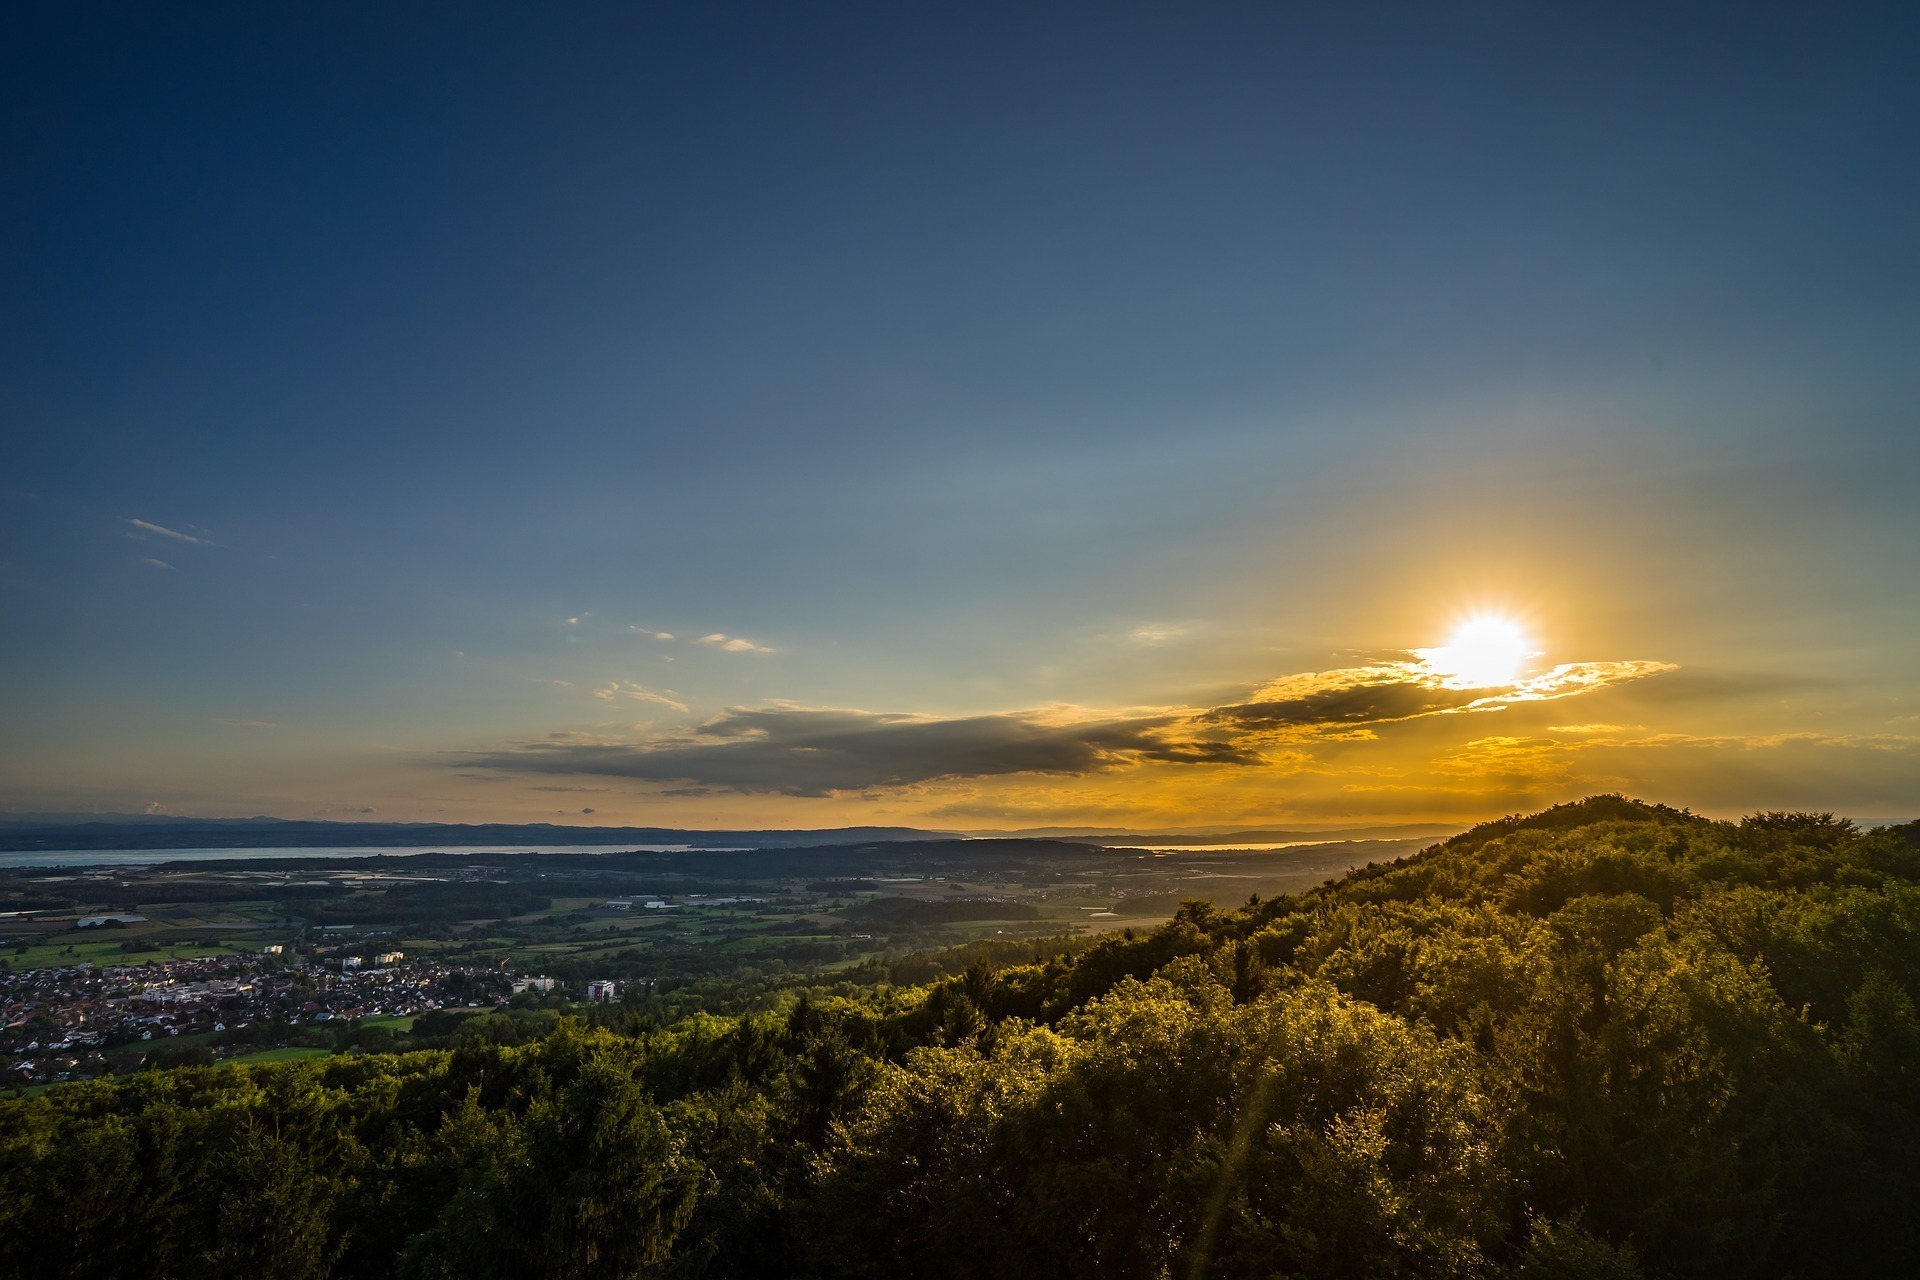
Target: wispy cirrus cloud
{"type": "Point", "coordinates": [161, 531]}
{"type": "Point", "coordinates": [627, 688]}
{"type": "Point", "coordinates": [814, 751]}
{"type": "Point", "coordinates": [733, 644]}
{"type": "Point", "coordinates": [1155, 633]}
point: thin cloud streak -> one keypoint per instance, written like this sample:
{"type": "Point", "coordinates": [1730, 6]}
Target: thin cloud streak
{"type": "Point", "coordinates": [733, 644]}
{"type": "Point", "coordinates": [147, 526]}
{"type": "Point", "coordinates": [641, 693]}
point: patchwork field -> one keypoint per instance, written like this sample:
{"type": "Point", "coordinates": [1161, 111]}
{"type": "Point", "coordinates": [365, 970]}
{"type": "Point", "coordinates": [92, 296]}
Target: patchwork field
{"type": "Point", "coordinates": [768, 914]}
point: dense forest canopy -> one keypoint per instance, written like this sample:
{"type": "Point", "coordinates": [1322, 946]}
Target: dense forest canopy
{"type": "Point", "coordinates": [1608, 1040]}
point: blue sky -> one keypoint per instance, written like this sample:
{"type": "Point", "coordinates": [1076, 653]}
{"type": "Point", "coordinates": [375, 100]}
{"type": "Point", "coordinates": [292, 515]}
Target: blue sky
{"type": "Point", "coordinates": [376, 387]}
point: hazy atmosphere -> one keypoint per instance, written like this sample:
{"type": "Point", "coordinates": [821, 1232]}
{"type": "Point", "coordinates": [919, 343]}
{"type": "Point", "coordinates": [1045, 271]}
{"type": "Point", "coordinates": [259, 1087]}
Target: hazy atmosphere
{"type": "Point", "coordinates": [984, 417]}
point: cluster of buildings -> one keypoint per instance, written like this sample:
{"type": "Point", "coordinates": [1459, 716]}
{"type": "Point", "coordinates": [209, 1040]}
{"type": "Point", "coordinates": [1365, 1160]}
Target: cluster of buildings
{"type": "Point", "coordinates": [62, 1023]}
{"type": "Point", "coordinates": [599, 991]}
{"type": "Point", "coordinates": [648, 903]}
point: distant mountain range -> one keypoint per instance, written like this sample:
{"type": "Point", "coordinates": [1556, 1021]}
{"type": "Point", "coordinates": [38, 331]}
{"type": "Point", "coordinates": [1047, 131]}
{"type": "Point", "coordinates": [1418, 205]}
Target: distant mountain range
{"type": "Point", "coordinates": [24, 833]}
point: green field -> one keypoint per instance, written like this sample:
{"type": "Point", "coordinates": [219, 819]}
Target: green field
{"type": "Point", "coordinates": [67, 949]}
{"type": "Point", "coordinates": [277, 1055]}
{"type": "Point", "coordinates": [397, 1022]}
{"type": "Point", "coordinates": [841, 913]}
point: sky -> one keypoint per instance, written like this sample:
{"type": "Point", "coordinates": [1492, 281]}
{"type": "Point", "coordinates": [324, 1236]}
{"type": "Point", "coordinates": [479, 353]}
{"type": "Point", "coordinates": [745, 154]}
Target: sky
{"type": "Point", "coordinates": [969, 416]}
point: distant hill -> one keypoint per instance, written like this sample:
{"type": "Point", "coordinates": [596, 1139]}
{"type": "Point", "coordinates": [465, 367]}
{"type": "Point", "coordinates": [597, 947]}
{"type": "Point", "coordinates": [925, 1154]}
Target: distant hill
{"type": "Point", "coordinates": [142, 832]}
{"type": "Point", "coordinates": [41, 832]}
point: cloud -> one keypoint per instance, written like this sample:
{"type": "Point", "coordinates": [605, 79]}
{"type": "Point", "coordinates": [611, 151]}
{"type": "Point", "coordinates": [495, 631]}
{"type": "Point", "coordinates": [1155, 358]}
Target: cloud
{"type": "Point", "coordinates": [1401, 690]}
{"type": "Point", "coordinates": [733, 644]}
{"type": "Point", "coordinates": [786, 749]}
{"type": "Point", "coordinates": [651, 634]}
{"type": "Point", "coordinates": [806, 751]}
{"type": "Point", "coordinates": [1728, 771]}
{"type": "Point", "coordinates": [1336, 698]}
{"type": "Point", "coordinates": [1770, 741]}
{"type": "Point", "coordinates": [640, 692]}
{"type": "Point", "coordinates": [158, 564]}
{"type": "Point", "coordinates": [1726, 688]}
{"type": "Point", "coordinates": [1155, 634]}
{"type": "Point", "coordinates": [147, 526]}
{"type": "Point", "coordinates": [1509, 761]}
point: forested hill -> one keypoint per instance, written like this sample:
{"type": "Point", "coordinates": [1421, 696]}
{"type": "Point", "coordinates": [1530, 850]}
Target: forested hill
{"type": "Point", "coordinates": [1608, 1040]}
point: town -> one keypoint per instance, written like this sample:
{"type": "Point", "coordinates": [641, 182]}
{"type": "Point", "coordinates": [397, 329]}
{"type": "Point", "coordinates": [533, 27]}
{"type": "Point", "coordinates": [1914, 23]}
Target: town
{"type": "Point", "coordinates": [87, 1019]}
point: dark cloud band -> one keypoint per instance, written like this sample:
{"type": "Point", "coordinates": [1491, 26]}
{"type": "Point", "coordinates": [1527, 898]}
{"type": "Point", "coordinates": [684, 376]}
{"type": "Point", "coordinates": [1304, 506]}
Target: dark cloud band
{"type": "Point", "coordinates": [805, 751]}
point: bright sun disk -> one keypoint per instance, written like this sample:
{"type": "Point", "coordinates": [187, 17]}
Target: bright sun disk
{"type": "Point", "coordinates": [1484, 651]}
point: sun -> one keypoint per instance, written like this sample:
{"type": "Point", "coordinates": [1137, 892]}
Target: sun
{"type": "Point", "coordinates": [1485, 650]}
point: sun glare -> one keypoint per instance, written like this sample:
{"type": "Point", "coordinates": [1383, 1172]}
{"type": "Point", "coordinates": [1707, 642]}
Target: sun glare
{"type": "Point", "coordinates": [1484, 651]}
